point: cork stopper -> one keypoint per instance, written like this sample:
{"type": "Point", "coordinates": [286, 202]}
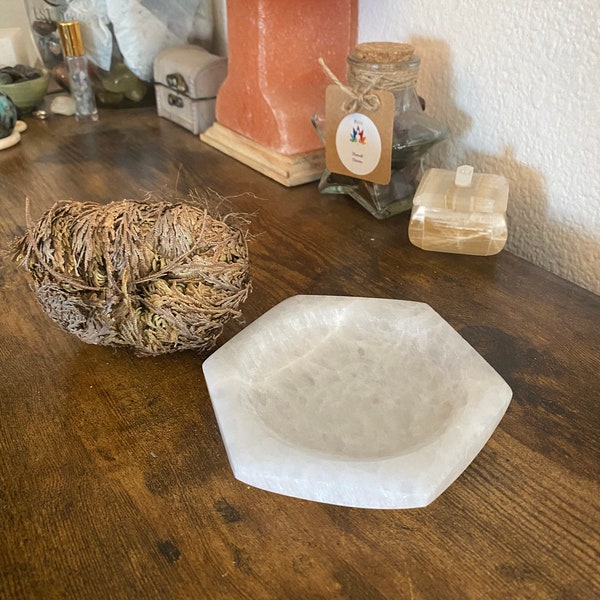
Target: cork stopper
{"type": "Point", "coordinates": [383, 52]}
{"type": "Point", "coordinates": [70, 38]}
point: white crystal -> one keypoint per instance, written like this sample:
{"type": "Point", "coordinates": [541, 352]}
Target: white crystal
{"type": "Point", "coordinates": [365, 402]}
{"type": "Point", "coordinates": [63, 105]}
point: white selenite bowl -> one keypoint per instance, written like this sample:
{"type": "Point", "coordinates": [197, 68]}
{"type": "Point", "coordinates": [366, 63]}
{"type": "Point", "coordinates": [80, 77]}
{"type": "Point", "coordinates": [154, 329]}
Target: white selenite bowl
{"type": "Point", "coordinates": [364, 402]}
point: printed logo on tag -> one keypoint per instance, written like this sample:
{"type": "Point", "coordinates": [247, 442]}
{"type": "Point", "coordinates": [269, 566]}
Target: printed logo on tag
{"type": "Point", "coordinates": [359, 144]}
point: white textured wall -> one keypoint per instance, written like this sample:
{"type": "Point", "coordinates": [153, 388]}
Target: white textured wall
{"type": "Point", "coordinates": [518, 83]}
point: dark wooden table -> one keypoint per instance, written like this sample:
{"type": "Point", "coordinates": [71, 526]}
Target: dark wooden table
{"type": "Point", "coordinates": [114, 478]}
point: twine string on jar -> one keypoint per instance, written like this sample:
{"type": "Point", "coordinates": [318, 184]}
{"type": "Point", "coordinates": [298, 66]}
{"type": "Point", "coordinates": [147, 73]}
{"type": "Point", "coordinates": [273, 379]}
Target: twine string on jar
{"type": "Point", "coordinates": [363, 81]}
{"type": "Point", "coordinates": [359, 98]}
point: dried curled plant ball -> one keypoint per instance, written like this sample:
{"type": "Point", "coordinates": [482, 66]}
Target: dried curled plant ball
{"type": "Point", "coordinates": [155, 275]}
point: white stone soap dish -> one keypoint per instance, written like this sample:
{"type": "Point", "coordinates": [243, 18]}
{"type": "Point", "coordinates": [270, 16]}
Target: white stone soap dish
{"type": "Point", "coordinates": [365, 402]}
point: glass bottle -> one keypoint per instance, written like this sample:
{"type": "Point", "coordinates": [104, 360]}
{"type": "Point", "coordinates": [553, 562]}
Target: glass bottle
{"type": "Point", "coordinates": [392, 67]}
{"type": "Point", "coordinates": [43, 17]}
{"type": "Point", "coordinates": [77, 64]}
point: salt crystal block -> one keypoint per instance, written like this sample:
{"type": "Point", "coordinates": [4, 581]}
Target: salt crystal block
{"type": "Point", "coordinates": [372, 403]}
{"type": "Point", "coordinates": [275, 83]}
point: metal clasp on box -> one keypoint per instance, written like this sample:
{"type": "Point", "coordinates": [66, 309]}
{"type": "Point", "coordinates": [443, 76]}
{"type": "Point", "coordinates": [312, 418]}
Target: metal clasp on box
{"type": "Point", "coordinates": [177, 82]}
{"type": "Point", "coordinates": [175, 101]}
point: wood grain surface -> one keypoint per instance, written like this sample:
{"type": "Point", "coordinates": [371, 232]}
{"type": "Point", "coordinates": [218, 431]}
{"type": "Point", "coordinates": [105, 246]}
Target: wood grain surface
{"type": "Point", "coordinates": [114, 481]}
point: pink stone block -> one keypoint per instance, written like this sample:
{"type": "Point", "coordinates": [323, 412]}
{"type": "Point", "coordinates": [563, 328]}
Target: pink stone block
{"type": "Point", "coordinates": [274, 81]}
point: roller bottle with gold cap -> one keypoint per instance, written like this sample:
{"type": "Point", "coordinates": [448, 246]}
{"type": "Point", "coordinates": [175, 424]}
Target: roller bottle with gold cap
{"type": "Point", "coordinates": [79, 77]}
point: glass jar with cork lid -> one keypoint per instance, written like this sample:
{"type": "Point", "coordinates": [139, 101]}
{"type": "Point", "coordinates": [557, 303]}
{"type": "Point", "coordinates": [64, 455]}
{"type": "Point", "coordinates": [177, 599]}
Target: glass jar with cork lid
{"type": "Point", "coordinates": [375, 67]}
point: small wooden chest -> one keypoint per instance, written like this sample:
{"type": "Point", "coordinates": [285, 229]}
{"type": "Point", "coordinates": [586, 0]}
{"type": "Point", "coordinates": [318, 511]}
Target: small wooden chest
{"type": "Point", "coordinates": [187, 79]}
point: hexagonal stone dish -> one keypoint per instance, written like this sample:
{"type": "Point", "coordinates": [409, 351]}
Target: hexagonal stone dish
{"type": "Point", "coordinates": [364, 402]}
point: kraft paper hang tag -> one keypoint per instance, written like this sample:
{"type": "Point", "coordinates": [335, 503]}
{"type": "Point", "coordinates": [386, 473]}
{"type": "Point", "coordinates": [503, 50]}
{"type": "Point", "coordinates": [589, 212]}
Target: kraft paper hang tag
{"type": "Point", "coordinates": [359, 144]}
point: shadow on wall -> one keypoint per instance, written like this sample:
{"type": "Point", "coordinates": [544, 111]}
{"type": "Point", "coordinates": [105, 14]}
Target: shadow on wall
{"type": "Point", "coordinates": [556, 246]}
{"type": "Point", "coordinates": [437, 82]}
{"type": "Point", "coordinates": [436, 85]}
{"type": "Point", "coordinates": [533, 234]}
